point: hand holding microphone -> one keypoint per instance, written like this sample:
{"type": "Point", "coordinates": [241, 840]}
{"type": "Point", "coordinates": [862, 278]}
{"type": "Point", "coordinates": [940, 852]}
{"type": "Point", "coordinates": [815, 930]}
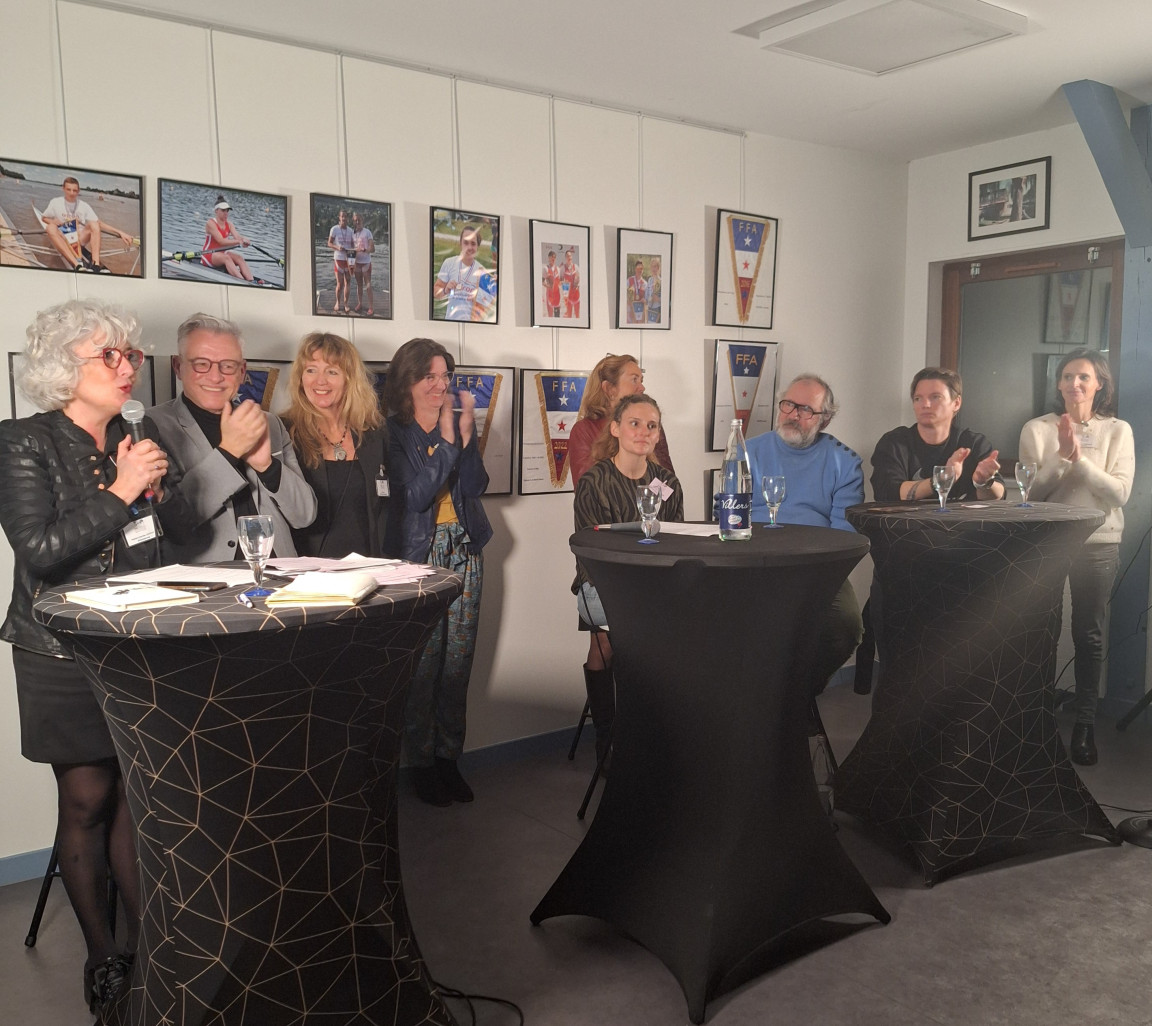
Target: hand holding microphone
{"type": "Point", "coordinates": [140, 462]}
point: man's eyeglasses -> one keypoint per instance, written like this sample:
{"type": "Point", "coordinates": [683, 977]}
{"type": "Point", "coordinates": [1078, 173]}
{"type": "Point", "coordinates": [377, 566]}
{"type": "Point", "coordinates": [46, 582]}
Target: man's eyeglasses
{"type": "Point", "coordinates": [202, 365]}
{"type": "Point", "coordinates": [787, 406]}
{"type": "Point", "coordinates": [112, 357]}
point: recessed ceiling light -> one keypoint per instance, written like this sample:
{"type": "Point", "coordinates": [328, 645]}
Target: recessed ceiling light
{"type": "Point", "coordinates": [880, 36]}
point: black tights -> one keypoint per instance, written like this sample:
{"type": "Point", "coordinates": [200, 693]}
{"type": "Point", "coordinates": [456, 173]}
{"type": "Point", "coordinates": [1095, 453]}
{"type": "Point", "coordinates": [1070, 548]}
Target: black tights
{"type": "Point", "coordinates": [94, 831]}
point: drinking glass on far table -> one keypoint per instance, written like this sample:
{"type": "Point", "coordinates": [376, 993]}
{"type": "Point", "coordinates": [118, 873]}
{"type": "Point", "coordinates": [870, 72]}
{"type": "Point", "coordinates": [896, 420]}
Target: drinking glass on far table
{"type": "Point", "coordinates": [772, 485]}
{"type": "Point", "coordinates": [1025, 475]}
{"type": "Point", "coordinates": [257, 535]}
{"type": "Point", "coordinates": [943, 478]}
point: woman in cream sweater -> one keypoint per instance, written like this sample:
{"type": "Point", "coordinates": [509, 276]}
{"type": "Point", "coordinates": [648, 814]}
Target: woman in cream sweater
{"type": "Point", "coordinates": [1085, 456]}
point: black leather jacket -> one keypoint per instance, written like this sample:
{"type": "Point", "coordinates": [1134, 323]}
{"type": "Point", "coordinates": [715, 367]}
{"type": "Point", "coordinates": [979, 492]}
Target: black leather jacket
{"type": "Point", "coordinates": [60, 519]}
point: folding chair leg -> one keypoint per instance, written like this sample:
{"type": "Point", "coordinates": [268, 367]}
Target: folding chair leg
{"type": "Point", "coordinates": [579, 730]}
{"type": "Point", "coordinates": [42, 900]}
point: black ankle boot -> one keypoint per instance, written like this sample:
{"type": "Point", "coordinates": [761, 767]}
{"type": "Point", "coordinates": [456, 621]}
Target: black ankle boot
{"type": "Point", "coordinates": [602, 706]}
{"type": "Point", "coordinates": [1083, 745]}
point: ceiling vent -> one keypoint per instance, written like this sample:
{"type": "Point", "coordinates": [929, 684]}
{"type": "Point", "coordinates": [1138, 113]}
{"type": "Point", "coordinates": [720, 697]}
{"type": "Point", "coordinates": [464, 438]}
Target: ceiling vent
{"type": "Point", "coordinates": [880, 36]}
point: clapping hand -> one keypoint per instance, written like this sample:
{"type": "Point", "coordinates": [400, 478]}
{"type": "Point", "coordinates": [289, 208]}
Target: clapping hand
{"type": "Point", "coordinates": [1069, 442]}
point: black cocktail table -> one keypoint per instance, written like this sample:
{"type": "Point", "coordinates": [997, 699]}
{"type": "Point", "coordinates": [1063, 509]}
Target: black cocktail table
{"type": "Point", "coordinates": [259, 751]}
{"type": "Point", "coordinates": [710, 846]}
{"type": "Point", "coordinates": [962, 759]}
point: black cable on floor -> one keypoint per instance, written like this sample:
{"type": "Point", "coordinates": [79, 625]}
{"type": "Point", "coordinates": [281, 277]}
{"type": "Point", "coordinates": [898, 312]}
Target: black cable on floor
{"type": "Point", "coordinates": [453, 994]}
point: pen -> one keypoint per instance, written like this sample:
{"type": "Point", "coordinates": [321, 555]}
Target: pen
{"type": "Point", "coordinates": [244, 600]}
{"type": "Point", "coordinates": [634, 526]}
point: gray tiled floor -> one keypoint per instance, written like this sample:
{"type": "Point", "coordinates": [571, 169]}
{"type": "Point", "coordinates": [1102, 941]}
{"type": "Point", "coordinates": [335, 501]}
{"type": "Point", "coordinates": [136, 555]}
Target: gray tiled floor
{"type": "Point", "coordinates": [1057, 939]}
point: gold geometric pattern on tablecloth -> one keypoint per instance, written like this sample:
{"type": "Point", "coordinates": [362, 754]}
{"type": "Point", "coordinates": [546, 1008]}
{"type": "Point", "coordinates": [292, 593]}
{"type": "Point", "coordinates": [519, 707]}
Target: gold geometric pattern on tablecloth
{"type": "Point", "coordinates": [260, 769]}
{"type": "Point", "coordinates": [962, 758]}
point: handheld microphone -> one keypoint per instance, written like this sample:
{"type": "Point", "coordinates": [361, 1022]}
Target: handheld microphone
{"type": "Point", "coordinates": [133, 413]}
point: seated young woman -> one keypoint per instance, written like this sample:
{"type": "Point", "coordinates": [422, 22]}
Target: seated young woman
{"type": "Point", "coordinates": [624, 458]}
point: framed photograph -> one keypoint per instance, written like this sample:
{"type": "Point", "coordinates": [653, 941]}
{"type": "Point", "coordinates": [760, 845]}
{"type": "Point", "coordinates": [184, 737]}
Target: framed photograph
{"type": "Point", "coordinates": [494, 389]}
{"type": "Point", "coordinates": [465, 266]}
{"type": "Point", "coordinates": [379, 371]}
{"type": "Point", "coordinates": [265, 383]}
{"type": "Point", "coordinates": [57, 218]}
{"type": "Point", "coordinates": [351, 257]}
{"type": "Point", "coordinates": [1010, 199]}
{"type": "Point", "coordinates": [224, 236]}
{"type": "Point", "coordinates": [744, 388]}
{"type": "Point", "coordinates": [560, 267]}
{"type": "Point", "coordinates": [1069, 305]}
{"type": "Point", "coordinates": [643, 279]}
{"type": "Point", "coordinates": [549, 404]}
{"type": "Point", "coordinates": [744, 286]}
{"type": "Point", "coordinates": [144, 388]}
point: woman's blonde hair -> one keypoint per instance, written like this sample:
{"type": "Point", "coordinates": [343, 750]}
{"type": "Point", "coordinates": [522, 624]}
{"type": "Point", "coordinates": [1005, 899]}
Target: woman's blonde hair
{"type": "Point", "coordinates": [596, 402]}
{"type": "Point", "coordinates": [607, 444]}
{"type": "Point", "coordinates": [359, 406]}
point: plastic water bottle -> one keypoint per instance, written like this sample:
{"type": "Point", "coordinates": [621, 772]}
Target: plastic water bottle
{"type": "Point", "coordinates": [734, 506]}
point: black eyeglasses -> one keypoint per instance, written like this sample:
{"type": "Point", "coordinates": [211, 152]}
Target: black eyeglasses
{"type": "Point", "coordinates": [112, 357]}
{"type": "Point", "coordinates": [788, 406]}
{"type": "Point", "coordinates": [202, 365]}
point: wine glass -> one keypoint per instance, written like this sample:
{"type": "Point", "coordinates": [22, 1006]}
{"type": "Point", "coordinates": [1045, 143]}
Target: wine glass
{"type": "Point", "coordinates": [942, 480]}
{"type": "Point", "coordinates": [772, 485]}
{"type": "Point", "coordinates": [257, 534]}
{"type": "Point", "coordinates": [648, 503]}
{"type": "Point", "coordinates": [1025, 475]}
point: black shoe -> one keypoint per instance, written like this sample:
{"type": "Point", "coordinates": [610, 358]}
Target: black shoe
{"type": "Point", "coordinates": [1083, 745]}
{"type": "Point", "coordinates": [100, 269]}
{"type": "Point", "coordinates": [429, 787]}
{"type": "Point", "coordinates": [454, 784]}
{"type": "Point", "coordinates": [104, 980]}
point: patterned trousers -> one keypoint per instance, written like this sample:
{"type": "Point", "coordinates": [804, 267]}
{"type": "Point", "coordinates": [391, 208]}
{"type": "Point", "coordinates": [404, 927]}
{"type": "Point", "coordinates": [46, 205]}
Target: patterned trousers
{"type": "Point", "coordinates": [435, 717]}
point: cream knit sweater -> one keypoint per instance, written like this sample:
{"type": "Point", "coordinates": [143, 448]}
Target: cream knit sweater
{"type": "Point", "coordinates": [1102, 477]}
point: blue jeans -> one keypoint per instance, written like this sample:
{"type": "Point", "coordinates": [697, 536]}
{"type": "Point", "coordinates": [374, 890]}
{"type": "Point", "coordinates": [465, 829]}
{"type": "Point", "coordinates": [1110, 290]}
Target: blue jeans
{"type": "Point", "coordinates": [1090, 583]}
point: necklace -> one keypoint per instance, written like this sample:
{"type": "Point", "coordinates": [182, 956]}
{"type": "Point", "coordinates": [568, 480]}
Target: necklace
{"type": "Point", "coordinates": [338, 449]}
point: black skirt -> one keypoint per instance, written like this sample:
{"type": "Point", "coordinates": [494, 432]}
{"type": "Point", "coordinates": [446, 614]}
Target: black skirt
{"type": "Point", "coordinates": [60, 719]}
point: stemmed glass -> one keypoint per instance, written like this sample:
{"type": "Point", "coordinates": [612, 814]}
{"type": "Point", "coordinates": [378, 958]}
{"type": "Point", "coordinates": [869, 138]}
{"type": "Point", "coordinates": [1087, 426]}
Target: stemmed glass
{"type": "Point", "coordinates": [257, 534]}
{"type": "Point", "coordinates": [648, 503]}
{"type": "Point", "coordinates": [942, 480]}
{"type": "Point", "coordinates": [772, 485]}
{"type": "Point", "coordinates": [1025, 475]}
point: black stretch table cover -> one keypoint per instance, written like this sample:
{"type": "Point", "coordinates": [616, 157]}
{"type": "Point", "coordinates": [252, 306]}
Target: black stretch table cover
{"type": "Point", "coordinates": [962, 758]}
{"type": "Point", "coordinates": [709, 844]}
{"type": "Point", "coordinates": [259, 751]}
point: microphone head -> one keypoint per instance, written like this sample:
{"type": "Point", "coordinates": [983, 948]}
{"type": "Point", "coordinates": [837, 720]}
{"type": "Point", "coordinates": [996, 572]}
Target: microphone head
{"type": "Point", "coordinates": [132, 411]}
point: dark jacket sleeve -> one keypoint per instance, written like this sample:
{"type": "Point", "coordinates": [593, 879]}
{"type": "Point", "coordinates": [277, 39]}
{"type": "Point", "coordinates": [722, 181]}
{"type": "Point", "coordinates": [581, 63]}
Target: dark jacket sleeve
{"type": "Point", "coordinates": [891, 465]}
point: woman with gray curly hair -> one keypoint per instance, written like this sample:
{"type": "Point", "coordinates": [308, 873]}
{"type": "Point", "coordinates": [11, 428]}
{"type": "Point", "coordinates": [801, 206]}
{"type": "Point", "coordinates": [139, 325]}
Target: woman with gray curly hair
{"type": "Point", "coordinates": [75, 505]}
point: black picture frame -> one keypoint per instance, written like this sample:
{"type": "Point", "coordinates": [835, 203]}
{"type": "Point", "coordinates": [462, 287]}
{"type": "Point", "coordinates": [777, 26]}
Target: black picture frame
{"type": "Point", "coordinates": [323, 212]}
{"type": "Point", "coordinates": [1010, 199]}
{"type": "Point", "coordinates": [473, 297]}
{"type": "Point", "coordinates": [744, 278]}
{"type": "Point", "coordinates": [27, 191]}
{"type": "Point", "coordinates": [183, 210]}
{"type": "Point", "coordinates": [544, 466]}
{"type": "Point", "coordinates": [558, 239]}
{"type": "Point", "coordinates": [634, 306]}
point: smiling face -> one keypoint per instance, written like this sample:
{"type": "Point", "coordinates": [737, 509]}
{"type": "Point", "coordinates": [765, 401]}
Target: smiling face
{"type": "Point", "coordinates": [100, 390]}
{"type": "Point", "coordinates": [935, 405]}
{"type": "Point", "coordinates": [428, 392]}
{"type": "Point", "coordinates": [638, 429]}
{"type": "Point", "coordinates": [469, 244]}
{"type": "Point", "coordinates": [212, 389]}
{"type": "Point", "coordinates": [323, 383]}
{"type": "Point", "coordinates": [357, 222]}
{"type": "Point", "coordinates": [1078, 383]}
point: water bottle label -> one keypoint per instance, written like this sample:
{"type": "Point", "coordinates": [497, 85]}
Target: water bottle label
{"type": "Point", "coordinates": [735, 511]}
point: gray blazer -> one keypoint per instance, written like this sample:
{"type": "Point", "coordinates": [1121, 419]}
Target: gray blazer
{"type": "Point", "coordinates": [210, 480]}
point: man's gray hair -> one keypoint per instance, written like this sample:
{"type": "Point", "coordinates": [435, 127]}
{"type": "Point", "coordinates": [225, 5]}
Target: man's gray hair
{"type": "Point", "coordinates": [206, 322]}
{"type": "Point", "coordinates": [830, 407]}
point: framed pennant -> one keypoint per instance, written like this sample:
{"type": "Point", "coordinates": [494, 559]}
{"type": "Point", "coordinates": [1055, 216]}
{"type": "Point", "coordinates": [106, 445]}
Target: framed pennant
{"type": "Point", "coordinates": [745, 281]}
{"type": "Point", "coordinates": [744, 387]}
{"type": "Point", "coordinates": [549, 404]}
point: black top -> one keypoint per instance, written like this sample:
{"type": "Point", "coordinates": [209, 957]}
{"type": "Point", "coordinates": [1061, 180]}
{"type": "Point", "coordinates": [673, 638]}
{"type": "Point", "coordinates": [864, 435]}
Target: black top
{"type": "Point", "coordinates": [902, 455]}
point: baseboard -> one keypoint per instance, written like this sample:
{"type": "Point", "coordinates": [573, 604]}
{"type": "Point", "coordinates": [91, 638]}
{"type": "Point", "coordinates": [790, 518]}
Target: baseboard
{"type": "Point", "coordinates": [28, 865]}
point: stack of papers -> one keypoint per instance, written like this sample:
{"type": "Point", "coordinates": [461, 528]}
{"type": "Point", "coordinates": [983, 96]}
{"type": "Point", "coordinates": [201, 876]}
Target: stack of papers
{"type": "Point", "coordinates": [318, 588]}
{"type": "Point", "coordinates": [130, 596]}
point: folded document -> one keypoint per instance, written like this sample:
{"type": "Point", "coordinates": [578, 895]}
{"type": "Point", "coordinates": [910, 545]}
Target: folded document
{"type": "Point", "coordinates": [130, 596]}
{"type": "Point", "coordinates": [318, 588]}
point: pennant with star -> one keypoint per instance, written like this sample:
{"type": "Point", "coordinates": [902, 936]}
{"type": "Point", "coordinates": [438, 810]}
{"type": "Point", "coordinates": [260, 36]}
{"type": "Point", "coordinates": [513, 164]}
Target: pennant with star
{"type": "Point", "coordinates": [485, 389]}
{"type": "Point", "coordinates": [746, 238]}
{"type": "Point", "coordinates": [745, 363]}
{"type": "Point", "coordinates": [745, 269]}
{"type": "Point", "coordinates": [560, 395]}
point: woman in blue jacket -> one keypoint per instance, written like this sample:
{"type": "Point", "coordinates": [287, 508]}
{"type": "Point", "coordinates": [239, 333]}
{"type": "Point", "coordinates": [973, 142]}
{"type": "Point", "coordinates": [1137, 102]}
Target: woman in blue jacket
{"type": "Point", "coordinates": [435, 517]}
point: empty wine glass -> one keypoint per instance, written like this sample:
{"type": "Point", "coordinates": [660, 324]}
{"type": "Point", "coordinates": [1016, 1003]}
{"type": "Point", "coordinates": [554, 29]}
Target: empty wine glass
{"type": "Point", "coordinates": [942, 480]}
{"type": "Point", "coordinates": [1025, 475]}
{"type": "Point", "coordinates": [772, 485]}
{"type": "Point", "coordinates": [257, 535]}
{"type": "Point", "coordinates": [648, 503]}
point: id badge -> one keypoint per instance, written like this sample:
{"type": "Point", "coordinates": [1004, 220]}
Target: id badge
{"type": "Point", "coordinates": [1087, 441]}
{"type": "Point", "coordinates": [138, 531]}
{"type": "Point", "coordinates": [382, 489]}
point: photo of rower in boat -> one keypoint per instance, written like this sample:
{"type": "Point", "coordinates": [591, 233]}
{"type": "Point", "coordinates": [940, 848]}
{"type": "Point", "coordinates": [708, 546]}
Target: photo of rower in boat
{"type": "Point", "coordinates": [211, 233]}
{"type": "Point", "coordinates": [73, 219]}
{"type": "Point", "coordinates": [351, 257]}
{"type": "Point", "coordinates": [465, 262]}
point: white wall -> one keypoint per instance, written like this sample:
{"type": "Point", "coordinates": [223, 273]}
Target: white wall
{"type": "Point", "coordinates": [214, 107]}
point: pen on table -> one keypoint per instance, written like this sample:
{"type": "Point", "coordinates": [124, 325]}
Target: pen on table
{"type": "Point", "coordinates": [244, 600]}
{"type": "Point", "coordinates": [633, 526]}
